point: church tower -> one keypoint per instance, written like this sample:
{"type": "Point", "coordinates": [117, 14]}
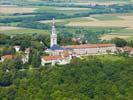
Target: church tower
{"type": "Point", "coordinates": [53, 40]}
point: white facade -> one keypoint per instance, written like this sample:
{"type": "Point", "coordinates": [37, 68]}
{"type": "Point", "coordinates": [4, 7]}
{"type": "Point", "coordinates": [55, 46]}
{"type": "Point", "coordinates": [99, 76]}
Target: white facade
{"type": "Point", "coordinates": [17, 48]}
{"type": "Point", "coordinates": [93, 49]}
{"type": "Point", "coordinates": [60, 60]}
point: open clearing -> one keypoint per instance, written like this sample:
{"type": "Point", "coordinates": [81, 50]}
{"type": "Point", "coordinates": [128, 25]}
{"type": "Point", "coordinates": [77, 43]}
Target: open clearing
{"type": "Point", "coordinates": [15, 9]}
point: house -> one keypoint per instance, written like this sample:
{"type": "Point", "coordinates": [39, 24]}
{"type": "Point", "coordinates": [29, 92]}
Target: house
{"type": "Point", "coordinates": [6, 57]}
{"type": "Point", "coordinates": [56, 59]}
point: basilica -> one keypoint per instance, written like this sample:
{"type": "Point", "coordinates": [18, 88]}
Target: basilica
{"type": "Point", "coordinates": [63, 54]}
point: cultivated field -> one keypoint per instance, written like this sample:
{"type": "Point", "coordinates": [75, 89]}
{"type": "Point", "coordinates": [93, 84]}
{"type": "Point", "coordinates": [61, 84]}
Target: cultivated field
{"type": "Point", "coordinates": [105, 21]}
{"type": "Point", "coordinates": [125, 21]}
{"type": "Point", "coordinates": [103, 24]}
{"type": "Point", "coordinates": [3, 28]}
{"type": "Point", "coordinates": [106, 17]}
{"type": "Point", "coordinates": [23, 31]}
{"type": "Point", "coordinates": [83, 19]}
{"type": "Point", "coordinates": [15, 9]}
{"type": "Point", "coordinates": [100, 3]}
{"type": "Point", "coordinates": [111, 36]}
{"type": "Point", "coordinates": [64, 10]}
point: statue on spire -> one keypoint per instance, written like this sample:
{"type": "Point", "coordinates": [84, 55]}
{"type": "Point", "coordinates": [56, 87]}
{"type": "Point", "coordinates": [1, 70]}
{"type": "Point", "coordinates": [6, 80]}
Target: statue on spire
{"type": "Point", "coordinates": [53, 21]}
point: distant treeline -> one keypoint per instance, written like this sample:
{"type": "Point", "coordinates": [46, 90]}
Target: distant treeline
{"type": "Point", "coordinates": [38, 17]}
{"type": "Point", "coordinates": [43, 15]}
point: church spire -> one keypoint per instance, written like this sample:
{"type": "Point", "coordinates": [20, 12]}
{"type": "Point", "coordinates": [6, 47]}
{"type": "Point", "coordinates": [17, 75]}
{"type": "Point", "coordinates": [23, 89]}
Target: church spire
{"type": "Point", "coordinates": [53, 35]}
{"type": "Point", "coordinates": [53, 27]}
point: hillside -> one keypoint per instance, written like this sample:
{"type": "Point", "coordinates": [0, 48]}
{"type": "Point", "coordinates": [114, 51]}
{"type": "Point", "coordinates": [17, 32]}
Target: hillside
{"type": "Point", "coordinates": [97, 78]}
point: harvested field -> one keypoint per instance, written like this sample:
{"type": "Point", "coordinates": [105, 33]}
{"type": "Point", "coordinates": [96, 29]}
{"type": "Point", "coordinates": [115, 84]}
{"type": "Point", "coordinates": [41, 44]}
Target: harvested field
{"type": "Point", "coordinates": [113, 23]}
{"type": "Point", "coordinates": [15, 9]}
{"type": "Point", "coordinates": [129, 17]}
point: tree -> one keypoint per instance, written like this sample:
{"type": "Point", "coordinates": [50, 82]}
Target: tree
{"type": "Point", "coordinates": [119, 42]}
{"type": "Point", "coordinates": [25, 44]}
{"type": "Point", "coordinates": [34, 58]}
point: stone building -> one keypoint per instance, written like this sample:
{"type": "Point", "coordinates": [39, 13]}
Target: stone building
{"type": "Point", "coordinates": [56, 52]}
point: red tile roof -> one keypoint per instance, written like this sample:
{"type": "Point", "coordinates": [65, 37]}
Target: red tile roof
{"type": "Point", "coordinates": [47, 58]}
{"type": "Point", "coordinates": [7, 57]}
{"type": "Point", "coordinates": [88, 46]}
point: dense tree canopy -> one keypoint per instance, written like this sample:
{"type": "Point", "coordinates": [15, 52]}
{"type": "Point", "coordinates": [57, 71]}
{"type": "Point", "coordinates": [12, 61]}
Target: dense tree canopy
{"type": "Point", "coordinates": [119, 42]}
{"type": "Point", "coordinates": [98, 78]}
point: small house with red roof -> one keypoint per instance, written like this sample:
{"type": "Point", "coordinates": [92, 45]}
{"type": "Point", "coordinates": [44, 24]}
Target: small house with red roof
{"type": "Point", "coordinates": [55, 59]}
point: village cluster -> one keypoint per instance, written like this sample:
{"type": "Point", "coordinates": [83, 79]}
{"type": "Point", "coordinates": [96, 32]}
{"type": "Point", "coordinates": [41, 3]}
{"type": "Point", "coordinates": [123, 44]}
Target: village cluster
{"type": "Point", "coordinates": [64, 54]}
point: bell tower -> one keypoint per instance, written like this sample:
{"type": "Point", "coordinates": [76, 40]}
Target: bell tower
{"type": "Point", "coordinates": [53, 40]}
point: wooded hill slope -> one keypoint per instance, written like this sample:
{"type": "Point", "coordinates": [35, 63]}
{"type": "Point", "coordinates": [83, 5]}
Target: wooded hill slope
{"type": "Point", "coordinates": [97, 78]}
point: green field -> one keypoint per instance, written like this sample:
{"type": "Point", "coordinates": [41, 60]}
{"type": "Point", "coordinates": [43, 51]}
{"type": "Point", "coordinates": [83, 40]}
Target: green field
{"type": "Point", "coordinates": [63, 10]}
{"type": "Point", "coordinates": [24, 31]}
{"type": "Point", "coordinates": [122, 33]}
{"type": "Point", "coordinates": [106, 17]}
